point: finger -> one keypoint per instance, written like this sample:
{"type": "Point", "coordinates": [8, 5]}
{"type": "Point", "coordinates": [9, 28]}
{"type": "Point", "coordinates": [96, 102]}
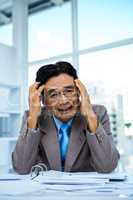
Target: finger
{"type": "Point", "coordinates": [31, 87]}
{"type": "Point", "coordinates": [34, 86]}
{"type": "Point", "coordinates": [41, 88]}
{"type": "Point", "coordinates": [83, 91]}
{"type": "Point", "coordinates": [78, 85]}
{"type": "Point", "coordinates": [81, 86]}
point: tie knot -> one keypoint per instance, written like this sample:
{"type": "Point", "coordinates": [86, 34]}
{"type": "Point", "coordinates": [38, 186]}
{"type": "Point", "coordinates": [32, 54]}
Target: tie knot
{"type": "Point", "coordinates": [65, 128]}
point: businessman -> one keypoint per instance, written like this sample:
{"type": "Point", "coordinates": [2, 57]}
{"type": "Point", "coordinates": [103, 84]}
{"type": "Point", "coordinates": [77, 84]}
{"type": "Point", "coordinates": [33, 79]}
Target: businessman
{"type": "Point", "coordinates": [62, 129]}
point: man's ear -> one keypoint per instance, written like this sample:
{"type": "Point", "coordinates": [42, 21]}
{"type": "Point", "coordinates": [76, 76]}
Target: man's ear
{"type": "Point", "coordinates": [78, 98]}
{"type": "Point", "coordinates": [42, 99]}
{"type": "Point", "coordinates": [78, 93]}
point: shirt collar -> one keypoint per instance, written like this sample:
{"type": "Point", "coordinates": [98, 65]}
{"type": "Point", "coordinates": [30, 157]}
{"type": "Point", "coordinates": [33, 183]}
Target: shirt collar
{"type": "Point", "coordinates": [59, 122]}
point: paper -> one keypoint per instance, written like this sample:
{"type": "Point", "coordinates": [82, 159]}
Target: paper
{"type": "Point", "coordinates": [20, 187]}
{"type": "Point", "coordinates": [12, 177]}
{"type": "Point", "coordinates": [65, 178]}
{"type": "Point", "coordinates": [14, 184]}
{"type": "Point", "coordinates": [84, 183]}
{"type": "Point", "coordinates": [54, 177]}
{"type": "Point", "coordinates": [95, 175]}
{"type": "Point", "coordinates": [91, 182]}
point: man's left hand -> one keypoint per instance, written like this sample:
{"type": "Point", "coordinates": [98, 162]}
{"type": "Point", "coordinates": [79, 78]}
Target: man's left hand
{"type": "Point", "coordinates": [86, 107]}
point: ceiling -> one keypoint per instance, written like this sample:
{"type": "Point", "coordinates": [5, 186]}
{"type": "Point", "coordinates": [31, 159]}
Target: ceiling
{"type": "Point", "coordinates": [33, 7]}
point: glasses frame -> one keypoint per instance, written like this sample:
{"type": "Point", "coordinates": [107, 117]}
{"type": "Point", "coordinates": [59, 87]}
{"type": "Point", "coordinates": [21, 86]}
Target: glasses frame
{"type": "Point", "coordinates": [54, 95]}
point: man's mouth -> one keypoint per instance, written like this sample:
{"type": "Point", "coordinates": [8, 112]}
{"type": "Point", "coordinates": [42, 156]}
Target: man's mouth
{"type": "Point", "coordinates": [65, 110]}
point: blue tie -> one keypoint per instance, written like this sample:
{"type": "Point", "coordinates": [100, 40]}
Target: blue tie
{"type": "Point", "coordinates": [64, 138]}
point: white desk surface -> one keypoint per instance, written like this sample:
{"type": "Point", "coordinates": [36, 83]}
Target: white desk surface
{"type": "Point", "coordinates": [65, 196]}
{"type": "Point", "coordinates": [30, 190]}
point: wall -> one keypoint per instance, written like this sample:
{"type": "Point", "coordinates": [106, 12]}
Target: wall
{"type": "Point", "coordinates": [8, 69]}
{"type": "Point", "coordinates": [9, 105]}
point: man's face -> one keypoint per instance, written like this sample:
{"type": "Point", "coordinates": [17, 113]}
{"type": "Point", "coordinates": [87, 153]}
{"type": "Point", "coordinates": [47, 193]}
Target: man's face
{"type": "Point", "coordinates": [61, 97]}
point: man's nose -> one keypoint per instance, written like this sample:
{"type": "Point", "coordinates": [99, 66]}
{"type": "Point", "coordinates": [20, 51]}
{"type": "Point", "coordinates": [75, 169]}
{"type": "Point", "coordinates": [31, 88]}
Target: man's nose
{"type": "Point", "coordinates": [63, 98]}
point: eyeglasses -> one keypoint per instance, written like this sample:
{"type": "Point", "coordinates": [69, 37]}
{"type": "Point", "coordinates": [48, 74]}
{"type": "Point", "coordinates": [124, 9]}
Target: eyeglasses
{"type": "Point", "coordinates": [68, 92]}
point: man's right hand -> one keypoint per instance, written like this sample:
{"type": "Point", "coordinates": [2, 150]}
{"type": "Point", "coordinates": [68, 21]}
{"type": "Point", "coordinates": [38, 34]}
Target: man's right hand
{"type": "Point", "coordinates": [34, 104]}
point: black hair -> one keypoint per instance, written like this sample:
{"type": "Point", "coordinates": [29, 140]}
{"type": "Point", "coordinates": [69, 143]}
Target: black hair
{"type": "Point", "coordinates": [51, 70]}
{"type": "Point", "coordinates": [47, 71]}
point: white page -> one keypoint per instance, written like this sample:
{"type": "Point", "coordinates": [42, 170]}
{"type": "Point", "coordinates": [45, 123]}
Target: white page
{"type": "Point", "coordinates": [54, 177]}
{"type": "Point", "coordinates": [15, 184]}
{"type": "Point", "coordinates": [7, 177]}
{"type": "Point", "coordinates": [18, 187]}
{"type": "Point", "coordinates": [91, 188]}
{"type": "Point", "coordinates": [65, 178]}
{"type": "Point", "coordinates": [95, 175]}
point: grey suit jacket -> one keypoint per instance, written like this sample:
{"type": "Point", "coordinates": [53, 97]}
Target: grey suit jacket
{"type": "Point", "coordinates": [86, 151]}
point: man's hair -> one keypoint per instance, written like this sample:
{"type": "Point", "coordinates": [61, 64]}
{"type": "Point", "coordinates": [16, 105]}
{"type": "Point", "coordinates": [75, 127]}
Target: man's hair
{"type": "Point", "coordinates": [51, 70]}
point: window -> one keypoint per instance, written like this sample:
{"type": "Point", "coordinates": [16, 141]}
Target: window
{"type": "Point", "coordinates": [109, 73]}
{"type": "Point", "coordinates": [50, 33]}
{"type": "Point", "coordinates": [104, 21]}
{"type": "Point", "coordinates": [6, 34]}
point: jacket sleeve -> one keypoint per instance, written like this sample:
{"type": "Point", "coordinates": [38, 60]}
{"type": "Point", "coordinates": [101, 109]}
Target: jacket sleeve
{"type": "Point", "coordinates": [25, 153]}
{"type": "Point", "coordinates": [104, 155]}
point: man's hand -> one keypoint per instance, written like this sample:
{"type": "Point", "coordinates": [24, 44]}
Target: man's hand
{"type": "Point", "coordinates": [86, 107]}
{"type": "Point", "coordinates": [34, 104]}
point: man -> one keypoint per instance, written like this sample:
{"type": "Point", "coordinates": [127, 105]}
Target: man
{"type": "Point", "coordinates": [68, 133]}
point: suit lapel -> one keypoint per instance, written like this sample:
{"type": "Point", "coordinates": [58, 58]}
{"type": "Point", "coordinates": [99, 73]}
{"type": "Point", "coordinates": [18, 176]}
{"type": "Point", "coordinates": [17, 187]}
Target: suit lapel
{"type": "Point", "coordinates": [50, 141]}
{"type": "Point", "coordinates": [77, 140]}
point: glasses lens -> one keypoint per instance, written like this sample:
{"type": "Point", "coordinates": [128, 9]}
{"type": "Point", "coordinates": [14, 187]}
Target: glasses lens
{"type": "Point", "coordinates": [55, 95]}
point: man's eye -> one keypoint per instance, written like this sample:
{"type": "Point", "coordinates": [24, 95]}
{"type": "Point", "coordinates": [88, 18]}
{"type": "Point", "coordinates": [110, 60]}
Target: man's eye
{"type": "Point", "coordinates": [69, 90]}
{"type": "Point", "coordinates": [52, 95]}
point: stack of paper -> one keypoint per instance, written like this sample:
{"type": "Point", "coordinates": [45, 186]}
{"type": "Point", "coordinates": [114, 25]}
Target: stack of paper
{"type": "Point", "coordinates": [84, 183]}
{"type": "Point", "coordinates": [54, 180]}
{"type": "Point", "coordinates": [12, 184]}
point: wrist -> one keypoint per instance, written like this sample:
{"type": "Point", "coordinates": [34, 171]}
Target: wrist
{"type": "Point", "coordinates": [32, 120]}
{"type": "Point", "coordinates": [92, 123]}
{"type": "Point", "coordinates": [34, 112]}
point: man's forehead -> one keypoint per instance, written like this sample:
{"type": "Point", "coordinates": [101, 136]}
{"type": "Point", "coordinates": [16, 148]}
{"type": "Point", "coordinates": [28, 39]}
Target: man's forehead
{"type": "Point", "coordinates": [61, 87]}
{"type": "Point", "coordinates": [61, 80]}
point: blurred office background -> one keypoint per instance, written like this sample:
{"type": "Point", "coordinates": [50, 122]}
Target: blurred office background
{"type": "Point", "coordinates": [96, 36]}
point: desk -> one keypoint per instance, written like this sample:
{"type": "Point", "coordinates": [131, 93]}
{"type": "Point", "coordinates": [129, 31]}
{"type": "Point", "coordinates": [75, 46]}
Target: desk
{"type": "Point", "coordinates": [65, 197]}
{"type": "Point", "coordinates": [122, 190]}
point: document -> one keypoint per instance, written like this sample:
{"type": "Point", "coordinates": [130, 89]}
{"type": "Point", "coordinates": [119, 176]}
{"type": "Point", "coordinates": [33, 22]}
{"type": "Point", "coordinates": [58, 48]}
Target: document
{"type": "Point", "coordinates": [89, 181]}
{"type": "Point", "coordinates": [78, 183]}
{"type": "Point", "coordinates": [14, 184]}
{"type": "Point", "coordinates": [108, 176]}
{"type": "Point", "coordinates": [12, 177]}
{"type": "Point", "coordinates": [53, 177]}
{"type": "Point", "coordinates": [78, 178]}
{"type": "Point", "coordinates": [18, 187]}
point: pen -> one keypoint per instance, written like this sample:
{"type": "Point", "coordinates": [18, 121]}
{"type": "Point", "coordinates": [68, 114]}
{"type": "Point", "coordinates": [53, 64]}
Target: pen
{"type": "Point", "coordinates": [10, 179]}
